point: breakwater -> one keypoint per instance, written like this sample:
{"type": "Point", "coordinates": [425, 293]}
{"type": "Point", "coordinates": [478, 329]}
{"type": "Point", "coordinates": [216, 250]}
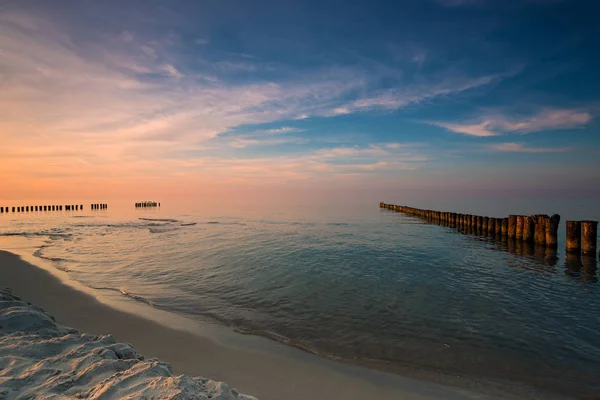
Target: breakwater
{"type": "Point", "coordinates": [540, 230]}
{"type": "Point", "coordinates": [49, 208]}
{"type": "Point", "coordinates": [145, 204]}
{"type": "Point", "coordinates": [53, 207]}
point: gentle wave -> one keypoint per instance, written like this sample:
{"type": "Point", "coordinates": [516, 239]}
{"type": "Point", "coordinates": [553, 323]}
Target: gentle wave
{"type": "Point", "coordinates": [163, 230]}
{"type": "Point", "coordinates": [159, 219]}
{"type": "Point", "coordinates": [136, 297]}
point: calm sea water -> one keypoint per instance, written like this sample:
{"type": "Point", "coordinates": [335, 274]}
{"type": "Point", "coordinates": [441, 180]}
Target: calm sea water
{"type": "Point", "coordinates": [355, 283]}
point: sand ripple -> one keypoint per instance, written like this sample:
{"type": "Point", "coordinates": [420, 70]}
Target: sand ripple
{"type": "Point", "coordinates": [42, 359]}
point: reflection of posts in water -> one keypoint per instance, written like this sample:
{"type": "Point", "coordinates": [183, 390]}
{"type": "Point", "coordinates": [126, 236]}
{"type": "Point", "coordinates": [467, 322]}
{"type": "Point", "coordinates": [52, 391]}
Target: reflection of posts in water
{"type": "Point", "coordinates": [550, 256]}
{"type": "Point", "coordinates": [573, 265]}
{"type": "Point", "coordinates": [511, 245]}
{"type": "Point", "coordinates": [539, 252]}
{"type": "Point", "coordinates": [574, 237]}
{"type": "Point", "coordinates": [519, 227]}
{"type": "Point", "coordinates": [512, 226]}
{"type": "Point", "coordinates": [552, 231]}
{"type": "Point", "coordinates": [589, 269]}
{"type": "Point", "coordinates": [539, 236]}
{"type": "Point", "coordinates": [528, 229]}
{"type": "Point", "coordinates": [589, 237]}
{"type": "Point", "coordinates": [518, 247]}
{"type": "Point", "coordinates": [527, 248]}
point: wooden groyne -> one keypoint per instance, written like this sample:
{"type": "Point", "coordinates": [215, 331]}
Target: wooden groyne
{"type": "Point", "coordinates": [49, 208]}
{"type": "Point", "coordinates": [540, 230]}
{"type": "Point", "coordinates": [145, 204]}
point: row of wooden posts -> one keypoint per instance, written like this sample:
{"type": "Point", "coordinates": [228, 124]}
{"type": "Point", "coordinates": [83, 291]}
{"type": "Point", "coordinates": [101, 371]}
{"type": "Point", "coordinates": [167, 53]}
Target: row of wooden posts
{"type": "Point", "coordinates": [582, 236]}
{"type": "Point", "coordinates": [70, 207]}
{"type": "Point", "coordinates": [147, 204]}
{"type": "Point", "coordinates": [41, 208]}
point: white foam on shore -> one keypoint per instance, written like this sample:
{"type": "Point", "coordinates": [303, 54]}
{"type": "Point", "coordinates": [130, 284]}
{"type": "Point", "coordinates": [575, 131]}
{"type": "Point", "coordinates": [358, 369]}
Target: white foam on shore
{"type": "Point", "coordinates": [42, 359]}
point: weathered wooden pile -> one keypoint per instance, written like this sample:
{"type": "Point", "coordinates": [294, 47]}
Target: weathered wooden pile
{"type": "Point", "coordinates": [540, 229]}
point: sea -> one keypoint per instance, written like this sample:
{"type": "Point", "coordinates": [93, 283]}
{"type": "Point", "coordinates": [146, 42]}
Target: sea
{"type": "Point", "coordinates": [350, 282]}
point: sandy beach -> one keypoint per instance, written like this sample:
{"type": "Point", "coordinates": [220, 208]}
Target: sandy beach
{"type": "Point", "coordinates": [259, 373]}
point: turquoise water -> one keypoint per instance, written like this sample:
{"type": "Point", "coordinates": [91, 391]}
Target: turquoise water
{"type": "Point", "coordinates": [355, 283]}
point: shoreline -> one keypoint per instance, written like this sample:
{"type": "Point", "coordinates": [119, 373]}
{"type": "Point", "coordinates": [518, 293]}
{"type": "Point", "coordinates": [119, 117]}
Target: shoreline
{"type": "Point", "coordinates": [259, 371]}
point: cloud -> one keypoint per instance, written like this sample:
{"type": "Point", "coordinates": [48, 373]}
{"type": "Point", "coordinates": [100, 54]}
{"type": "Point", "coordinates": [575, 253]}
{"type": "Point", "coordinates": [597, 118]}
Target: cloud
{"type": "Point", "coordinates": [544, 120]}
{"type": "Point", "coordinates": [284, 129]}
{"type": "Point", "coordinates": [480, 130]}
{"type": "Point", "coordinates": [520, 148]}
{"type": "Point", "coordinates": [394, 99]}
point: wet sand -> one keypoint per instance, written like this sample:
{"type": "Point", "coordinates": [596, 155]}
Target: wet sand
{"type": "Point", "coordinates": [265, 374]}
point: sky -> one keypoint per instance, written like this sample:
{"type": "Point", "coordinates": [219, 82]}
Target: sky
{"type": "Point", "coordinates": [280, 100]}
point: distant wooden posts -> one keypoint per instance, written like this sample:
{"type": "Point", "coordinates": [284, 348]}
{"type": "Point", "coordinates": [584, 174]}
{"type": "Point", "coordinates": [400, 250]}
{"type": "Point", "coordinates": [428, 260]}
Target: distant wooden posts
{"type": "Point", "coordinates": [589, 237]}
{"type": "Point", "coordinates": [574, 237]}
{"type": "Point", "coordinates": [145, 204]}
{"type": "Point", "coordinates": [98, 206]}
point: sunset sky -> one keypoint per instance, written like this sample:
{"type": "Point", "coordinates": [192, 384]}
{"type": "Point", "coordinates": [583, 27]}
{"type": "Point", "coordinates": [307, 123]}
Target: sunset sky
{"type": "Point", "coordinates": [147, 99]}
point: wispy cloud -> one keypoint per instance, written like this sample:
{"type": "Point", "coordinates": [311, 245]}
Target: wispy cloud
{"type": "Point", "coordinates": [520, 148]}
{"type": "Point", "coordinates": [481, 129]}
{"type": "Point", "coordinates": [545, 120]}
{"type": "Point", "coordinates": [394, 99]}
{"type": "Point", "coordinates": [283, 129]}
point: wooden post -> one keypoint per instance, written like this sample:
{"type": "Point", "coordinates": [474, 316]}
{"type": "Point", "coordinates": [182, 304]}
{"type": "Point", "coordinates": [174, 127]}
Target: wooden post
{"type": "Point", "coordinates": [528, 229]}
{"type": "Point", "coordinates": [512, 226]}
{"type": "Point", "coordinates": [552, 231]}
{"type": "Point", "coordinates": [13, 209]}
{"type": "Point", "coordinates": [519, 227]}
{"type": "Point", "coordinates": [484, 225]}
{"type": "Point", "coordinates": [574, 237]}
{"type": "Point", "coordinates": [491, 228]}
{"type": "Point", "coordinates": [589, 237]}
{"type": "Point", "coordinates": [539, 237]}
{"type": "Point", "coordinates": [498, 227]}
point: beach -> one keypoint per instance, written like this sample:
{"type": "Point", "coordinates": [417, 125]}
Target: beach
{"type": "Point", "coordinates": [261, 374]}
